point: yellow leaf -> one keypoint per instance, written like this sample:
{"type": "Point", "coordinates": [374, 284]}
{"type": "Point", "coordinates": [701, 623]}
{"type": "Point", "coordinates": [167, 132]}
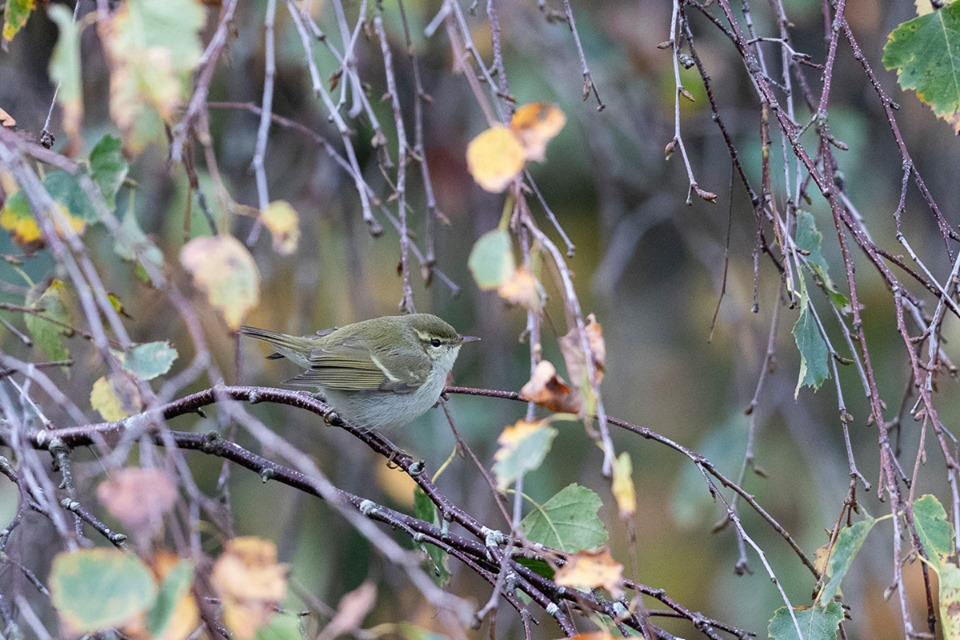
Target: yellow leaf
{"type": "Point", "coordinates": [250, 584]}
{"type": "Point", "coordinates": [17, 218]}
{"type": "Point", "coordinates": [590, 570]}
{"type": "Point", "coordinates": [399, 486]}
{"type": "Point", "coordinates": [623, 489]}
{"type": "Point", "coordinates": [495, 158]}
{"type": "Point", "coordinates": [15, 16]}
{"type": "Point", "coordinates": [115, 397]}
{"type": "Point", "coordinates": [225, 271]}
{"type": "Point", "coordinates": [8, 184]}
{"type": "Point", "coordinates": [821, 556]}
{"type": "Point", "coordinates": [283, 222]}
{"type": "Point", "coordinates": [536, 124]}
{"type": "Point", "coordinates": [22, 226]}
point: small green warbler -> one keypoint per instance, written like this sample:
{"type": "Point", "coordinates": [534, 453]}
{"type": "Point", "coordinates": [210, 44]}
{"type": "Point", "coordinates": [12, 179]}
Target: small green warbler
{"type": "Point", "coordinates": [377, 374]}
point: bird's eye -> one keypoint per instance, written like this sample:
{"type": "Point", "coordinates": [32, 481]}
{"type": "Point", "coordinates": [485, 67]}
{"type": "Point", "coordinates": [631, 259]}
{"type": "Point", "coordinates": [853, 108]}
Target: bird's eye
{"type": "Point", "coordinates": [435, 342]}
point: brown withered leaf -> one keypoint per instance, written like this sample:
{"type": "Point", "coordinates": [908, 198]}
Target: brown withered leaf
{"type": "Point", "coordinates": [353, 608]}
{"type": "Point", "coordinates": [139, 498]}
{"type": "Point", "coordinates": [520, 288]}
{"type": "Point", "coordinates": [573, 354]}
{"type": "Point", "coordinates": [548, 390]}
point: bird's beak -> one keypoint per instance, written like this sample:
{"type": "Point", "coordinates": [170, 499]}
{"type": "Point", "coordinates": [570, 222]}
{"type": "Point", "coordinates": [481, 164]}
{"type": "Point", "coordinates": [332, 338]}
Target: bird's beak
{"type": "Point", "coordinates": [468, 339]}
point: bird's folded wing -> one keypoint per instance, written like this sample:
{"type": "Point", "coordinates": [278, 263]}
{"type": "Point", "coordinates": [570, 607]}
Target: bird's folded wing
{"type": "Point", "coordinates": [359, 370]}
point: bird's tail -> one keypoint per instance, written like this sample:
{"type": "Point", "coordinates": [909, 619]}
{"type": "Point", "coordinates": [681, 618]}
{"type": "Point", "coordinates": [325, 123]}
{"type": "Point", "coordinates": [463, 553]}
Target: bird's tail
{"type": "Point", "coordinates": [282, 342]}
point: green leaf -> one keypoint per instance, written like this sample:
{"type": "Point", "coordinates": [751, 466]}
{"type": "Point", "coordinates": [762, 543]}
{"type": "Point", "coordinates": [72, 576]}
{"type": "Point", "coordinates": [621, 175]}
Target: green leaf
{"type": "Point", "coordinates": [51, 324]}
{"type": "Point", "coordinates": [814, 357]}
{"type": "Point", "coordinates": [95, 589]}
{"type": "Point", "coordinates": [66, 190]}
{"type": "Point", "coordinates": [809, 239]}
{"type": "Point", "coordinates": [175, 586]}
{"type": "Point", "coordinates": [133, 243]}
{"type": "Point", "coordinates": [172, 25]}
{"type": "Point", "coordinates": [491, 259]}
{"type": "Point", "coordinates": [538, 566]}
{"type": "Point", "coordinates": [153, 50]}
{"type": "Point", "coordinates": [816, 623]}
{"type": "Point", "coordinates": [844, 551]}
{"type": "Point", "coordinates": [568, 521]}
{"type": "Point", "coordinates": [723, 445]}
{"type": "Point", "coordinates": [148, 360]}
{"type": "Point", "coordinates": [925, 52]}
{"type": "Point", "coordinates": [522, 448]}
{"type": "Point", "coordinates": [410, 631]}
{"type": "Point", "coordinates": [65, 68]}
{"type": "Point", "coordinates": [424, 509]}
{"type": "Point", "coordinates": [950, 600]}
{"type": "Point", "coordinates": [15, 16]}
{"type": "Point", "coordinates": [108, 168]}
{"type": "Point", "coordinates": [934, 529]}
{"type": "Point", "coordinates": [283, 626]}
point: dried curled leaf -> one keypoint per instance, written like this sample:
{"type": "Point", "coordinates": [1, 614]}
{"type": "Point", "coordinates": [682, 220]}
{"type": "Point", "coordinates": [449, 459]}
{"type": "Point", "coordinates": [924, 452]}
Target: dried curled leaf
{"type": "Point", "coordinates": [548, 390]}
{"type": "Point", "coordinates": [536, 124]}
{"type": "Point", "coordinates": [352, 609]}
{"type": "Point", "coordinates": [573, 355]}
{"type": "Point", "coordinates": [521, 288]}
